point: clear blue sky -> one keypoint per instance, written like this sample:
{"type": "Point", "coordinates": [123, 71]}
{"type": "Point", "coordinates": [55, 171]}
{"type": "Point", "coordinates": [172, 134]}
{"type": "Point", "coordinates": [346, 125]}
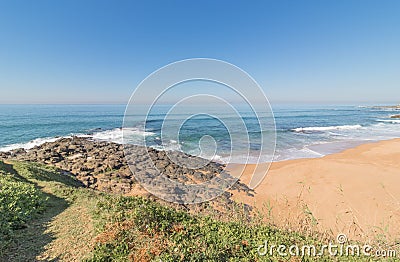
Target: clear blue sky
{"type": "Point", "coordinates": [299, 51]}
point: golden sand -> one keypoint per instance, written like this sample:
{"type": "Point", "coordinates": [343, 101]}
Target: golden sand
{"type": "Point", "coordinates": [356, 192]}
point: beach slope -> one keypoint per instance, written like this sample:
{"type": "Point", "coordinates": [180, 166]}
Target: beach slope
{"type": "Point", "coordinates": [355, 192]}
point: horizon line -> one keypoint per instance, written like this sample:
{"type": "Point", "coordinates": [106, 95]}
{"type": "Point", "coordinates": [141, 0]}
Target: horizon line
{"type": "Point", "coordinates": [238, 103]}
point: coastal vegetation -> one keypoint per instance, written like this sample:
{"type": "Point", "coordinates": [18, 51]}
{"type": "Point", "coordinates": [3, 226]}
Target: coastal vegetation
{"type": "Point", "coordinates": [20, 201]}
{"type": "Point", "coordinates": [48, 214]}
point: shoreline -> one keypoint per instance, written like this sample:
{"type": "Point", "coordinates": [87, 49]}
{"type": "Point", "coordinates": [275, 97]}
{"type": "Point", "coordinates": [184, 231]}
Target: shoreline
{"type": "Point", "coordinates": [320, 150]}
{"type": "Point", "coordinates": [353, 192]}
{"type": "Point", "coordinates": [103, 166]}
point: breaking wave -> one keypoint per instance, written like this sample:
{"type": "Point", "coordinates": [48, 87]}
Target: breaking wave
{"type": "Point", "coordinates": [326, 128]}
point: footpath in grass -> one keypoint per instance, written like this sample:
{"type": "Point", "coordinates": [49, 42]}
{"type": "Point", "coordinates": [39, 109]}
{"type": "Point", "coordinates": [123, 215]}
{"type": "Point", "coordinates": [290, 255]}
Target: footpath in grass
{"type": "Point", "coordinates": [52, 211]}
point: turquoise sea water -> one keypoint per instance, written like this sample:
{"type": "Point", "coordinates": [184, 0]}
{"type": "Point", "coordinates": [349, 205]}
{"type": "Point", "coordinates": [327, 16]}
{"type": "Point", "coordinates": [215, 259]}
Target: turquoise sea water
{"type": "Point", "coordinates": [302, 131]}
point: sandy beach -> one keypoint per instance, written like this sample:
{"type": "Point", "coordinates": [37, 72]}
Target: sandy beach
{"type": "Point", "coordinates": [355, 192]}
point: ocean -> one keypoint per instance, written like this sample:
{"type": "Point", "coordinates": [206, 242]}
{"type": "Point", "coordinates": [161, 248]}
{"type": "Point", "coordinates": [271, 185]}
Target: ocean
{"type": "Point", "coordinates": [302, 131]}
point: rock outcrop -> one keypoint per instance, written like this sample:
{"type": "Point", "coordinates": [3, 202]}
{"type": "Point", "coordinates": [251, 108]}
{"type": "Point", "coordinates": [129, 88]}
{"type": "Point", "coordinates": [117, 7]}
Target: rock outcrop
{"type": "Point", "coordinates": [102, 165]}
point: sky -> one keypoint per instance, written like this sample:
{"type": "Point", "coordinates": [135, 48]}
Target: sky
{"type": "Point", "coordinates": [95, 51]}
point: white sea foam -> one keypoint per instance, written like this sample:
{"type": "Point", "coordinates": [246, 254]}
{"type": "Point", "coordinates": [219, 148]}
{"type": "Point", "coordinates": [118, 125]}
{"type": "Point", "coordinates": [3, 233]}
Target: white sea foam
{"type": "Point", "coordinates": [29, 145]}
{"type": "Point", "coordinates": [337, 134]}
{"type": "Point", "coordinates": [168, 146]}
{"type": "Point", "coordinates": [326, 128]}
{"type": "Point", "coordinates": [391, 121]}
{"type": "Point", "coordinates": [118, 135]}
{"type": "Point", "coordinates": [132, 135]}
{"type": "Point", "coordinates": [383, 129]}
{"type": "Point", "coordinates": [243, 159]}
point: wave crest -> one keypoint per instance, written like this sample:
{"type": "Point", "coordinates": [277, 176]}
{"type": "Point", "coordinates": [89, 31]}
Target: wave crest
{"type": "Point", "coordinates": [29, 145]}
{"type": "Point", "coordinates": [391, 121]}
{"type": "Point", "coordinates": [326, 128]}
{"type": "Point", "coordinates": [135, 136]}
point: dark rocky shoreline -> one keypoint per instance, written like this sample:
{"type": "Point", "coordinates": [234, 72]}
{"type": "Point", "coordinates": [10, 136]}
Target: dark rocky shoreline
{"type": "Point", "coordinates": [102, 165]}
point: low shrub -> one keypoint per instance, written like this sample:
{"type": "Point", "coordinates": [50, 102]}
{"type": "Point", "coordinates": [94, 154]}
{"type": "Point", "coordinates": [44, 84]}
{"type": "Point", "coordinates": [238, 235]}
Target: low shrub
{"type": "Point", "coordinates": [138, 229]}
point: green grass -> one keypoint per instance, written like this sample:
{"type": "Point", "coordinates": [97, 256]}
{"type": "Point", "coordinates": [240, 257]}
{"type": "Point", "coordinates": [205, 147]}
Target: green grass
{"type": "Point", "coordinates": [46, 215]}
{"type": "Point", "coordinates": [53, 222]}
{"type": "Point", "coordinates": [20, 201]}
{"type": "Point", "coordinates": [138, 229]}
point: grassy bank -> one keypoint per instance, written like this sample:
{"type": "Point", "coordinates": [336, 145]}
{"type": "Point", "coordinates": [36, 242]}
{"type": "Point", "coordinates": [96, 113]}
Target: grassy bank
{"type": "Point", "coordinates": [47, 215]}
{"type": "Point", "coordinates": [20, 202]}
